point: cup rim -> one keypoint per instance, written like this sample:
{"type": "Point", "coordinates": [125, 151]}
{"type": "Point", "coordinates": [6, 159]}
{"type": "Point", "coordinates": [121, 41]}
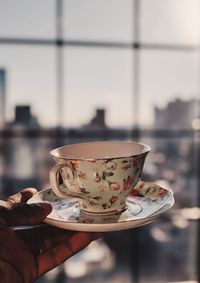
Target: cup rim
{"type": "Point", "coordinates": [146, 149]}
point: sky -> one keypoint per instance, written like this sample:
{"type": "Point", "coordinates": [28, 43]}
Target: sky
{"type": "Point", "coordinates": [99, 77]}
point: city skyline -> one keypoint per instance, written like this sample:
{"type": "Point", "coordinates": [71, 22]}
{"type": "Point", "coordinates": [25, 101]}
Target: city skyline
{"type": "Point", "coordinates": [165, 117]}
{"type": "Point", "coordinates": [100, 77]}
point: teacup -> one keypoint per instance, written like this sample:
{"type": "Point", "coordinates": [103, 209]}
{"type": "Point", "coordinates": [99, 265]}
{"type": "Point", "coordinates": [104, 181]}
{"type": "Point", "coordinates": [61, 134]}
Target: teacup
{"type": "Point", "coordinates": [99, 174]}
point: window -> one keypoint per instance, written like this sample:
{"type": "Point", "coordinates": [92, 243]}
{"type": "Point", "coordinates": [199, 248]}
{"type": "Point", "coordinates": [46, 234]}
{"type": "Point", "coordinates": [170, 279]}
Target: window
{"type": "Point", "coordinates": [137, 61]}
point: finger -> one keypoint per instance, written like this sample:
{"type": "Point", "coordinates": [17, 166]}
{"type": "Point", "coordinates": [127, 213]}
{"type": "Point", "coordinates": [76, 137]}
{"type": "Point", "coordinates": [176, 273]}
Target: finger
{"type": "Point", "coordinates": [22, 196]}
{"type": "Point", "coordinates": [62, 251]}
{"type": "Point", "coordinates": [25, 214]}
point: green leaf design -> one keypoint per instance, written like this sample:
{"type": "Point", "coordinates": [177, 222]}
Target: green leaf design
{"type": "Point", "coordinates": [83, 190]}
{"type": "Point", "coordinates": [109, 174]}
{"type": "Point", "coordinates": [125, 161]}
{"type": "Point", "coordinates": [104, 175]}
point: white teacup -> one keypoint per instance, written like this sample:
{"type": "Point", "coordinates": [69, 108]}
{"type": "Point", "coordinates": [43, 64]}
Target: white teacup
{"type": "Point", "coordinates": [100, 174]}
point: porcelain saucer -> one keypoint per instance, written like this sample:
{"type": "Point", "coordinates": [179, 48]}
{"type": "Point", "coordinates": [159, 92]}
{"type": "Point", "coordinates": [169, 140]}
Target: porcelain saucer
{"type": "Point", "coordinates": [143, 206]}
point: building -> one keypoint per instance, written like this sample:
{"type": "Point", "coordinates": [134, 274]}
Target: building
{"type": "Point", "coordinates": [98, 121]}
{"type": "Point", "coordinates": [24, 117]}
{"type": "Point", "coordinates": [178, 114]}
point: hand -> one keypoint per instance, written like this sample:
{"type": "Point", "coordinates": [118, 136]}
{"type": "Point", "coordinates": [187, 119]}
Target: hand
{"type": "Point", "coordinates": [27, 254]}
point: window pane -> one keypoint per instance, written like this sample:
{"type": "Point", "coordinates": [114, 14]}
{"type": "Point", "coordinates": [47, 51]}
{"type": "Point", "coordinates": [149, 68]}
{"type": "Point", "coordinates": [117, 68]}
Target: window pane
{"type": "Point", "coordinates": [2, 96]}
{"type": "Point", "coordinates": [99, 20]}
{"type": "Point", "coordinates": [30, 80]}
{"type": "Point", "coordinates": [27, 18]}
{"type": "Point", "coordinates": [24, 162]}
{"type": "Point", "coordinates": [171, 21]}
{"type": "Point", "coordinates": [169, 81]}
{"type": "Point", "coordinates": [98, 78]}
{"type": "Point", "coordinates": [173, 239]}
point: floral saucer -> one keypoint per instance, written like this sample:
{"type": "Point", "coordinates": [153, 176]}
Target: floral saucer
{"type": "Point", "coordinates": [143, 206]}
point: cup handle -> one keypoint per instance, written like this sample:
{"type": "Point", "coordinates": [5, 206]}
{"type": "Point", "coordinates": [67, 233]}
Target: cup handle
{"type": "Point", "coordinates": [53, 181]}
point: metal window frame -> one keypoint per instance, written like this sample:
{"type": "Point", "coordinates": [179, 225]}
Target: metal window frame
{"type": "Point", "coordinates": [59, 43]}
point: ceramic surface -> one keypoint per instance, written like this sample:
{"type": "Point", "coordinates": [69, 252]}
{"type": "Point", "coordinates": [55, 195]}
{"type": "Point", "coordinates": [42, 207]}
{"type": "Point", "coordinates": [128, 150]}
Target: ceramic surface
{"type": "Point", "coordinates": [142, 207]}
{"type": "Point", "coordinates": [101, 183]}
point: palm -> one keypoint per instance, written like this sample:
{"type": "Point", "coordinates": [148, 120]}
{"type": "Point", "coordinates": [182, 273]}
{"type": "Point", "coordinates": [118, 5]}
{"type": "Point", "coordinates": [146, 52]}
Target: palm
{"type": "Point", "coordinates": [31, 253]}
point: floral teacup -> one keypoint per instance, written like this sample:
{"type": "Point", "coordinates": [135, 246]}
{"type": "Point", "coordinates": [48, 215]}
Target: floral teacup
{"type": "Point", "coordinates": [100, 174]}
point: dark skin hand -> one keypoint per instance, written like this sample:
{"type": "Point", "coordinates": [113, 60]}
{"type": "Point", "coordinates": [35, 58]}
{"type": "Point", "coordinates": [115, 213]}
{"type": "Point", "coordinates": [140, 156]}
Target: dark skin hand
{"type": "Point", "coordinates": [26, 255]}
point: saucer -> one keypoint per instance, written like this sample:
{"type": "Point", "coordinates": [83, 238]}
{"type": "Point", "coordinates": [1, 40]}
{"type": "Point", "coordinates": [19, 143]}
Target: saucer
{"type": "Point", "coordinates": [144, 205]}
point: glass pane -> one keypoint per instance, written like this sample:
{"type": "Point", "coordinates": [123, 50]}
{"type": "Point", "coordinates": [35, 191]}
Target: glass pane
{"type": "Point", "coordinates": [24, 162]}
{"type": "Point", "coordinates": [169, 82]}
{"type": "Point", "coordinates": [171, 21]}
{"type": "Point", "coordinates": [30, 81]}
{"type": "Point", "coordinates": [173, 239]}
{"type": "Point", "coordinates": [99, 20]}
{"type": "Point", "coordinates": [98, 79]}
{"type": "Point", "coordinates": [27, 18]}
{"type": "Point", "coordinates": [2, 96]}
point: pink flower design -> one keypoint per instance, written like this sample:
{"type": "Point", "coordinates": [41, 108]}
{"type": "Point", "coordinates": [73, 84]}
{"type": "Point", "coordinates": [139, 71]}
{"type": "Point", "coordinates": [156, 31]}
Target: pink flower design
{"type": "Point", "coordinates": [114, 186]}
{"type": "Point", "coordinates": [135, 193]}
{"type": "Point", "coordinates": [96, 177]}
{"type": "Point", "coordinates": [162, 193]}
{"type": "Point", "coordinates": [137, 161]}
{"type": "Point", "coordinates": [128, 183]}
{"type": "Point", "coordinates": [113, 199]}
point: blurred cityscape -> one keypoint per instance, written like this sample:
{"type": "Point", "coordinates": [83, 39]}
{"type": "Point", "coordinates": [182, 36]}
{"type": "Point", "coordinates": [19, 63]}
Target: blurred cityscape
{"type": "Point", "coordinates": [108, 70]}
{"type": "Point", "coordinates": [25, 162]}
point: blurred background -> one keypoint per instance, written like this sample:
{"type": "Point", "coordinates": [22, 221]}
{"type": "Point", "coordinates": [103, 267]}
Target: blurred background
{"type": "Point", "coordinates": [83, 70]}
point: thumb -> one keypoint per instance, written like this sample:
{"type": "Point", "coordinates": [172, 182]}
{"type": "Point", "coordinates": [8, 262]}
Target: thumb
{"type": "Point", "coordinates": [25, 214]}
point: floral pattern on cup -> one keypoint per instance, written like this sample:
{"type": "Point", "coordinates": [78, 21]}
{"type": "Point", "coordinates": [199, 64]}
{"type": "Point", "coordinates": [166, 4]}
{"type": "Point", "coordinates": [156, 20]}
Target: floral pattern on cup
{"type": "Point", "coordinates": [99, 174]}
{"type": "Point", "coordinates": [105, 177]}
{"type": "Point", "coordinates": [110, 164]}
{"type": "Point", "coordinates": [128, 183]}
{"type": "Point", "coordinates": [114, 186]}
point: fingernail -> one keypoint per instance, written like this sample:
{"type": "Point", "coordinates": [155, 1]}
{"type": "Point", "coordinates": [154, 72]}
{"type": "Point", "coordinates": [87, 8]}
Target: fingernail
{"type": "Point", "coordinates": [46, 206]}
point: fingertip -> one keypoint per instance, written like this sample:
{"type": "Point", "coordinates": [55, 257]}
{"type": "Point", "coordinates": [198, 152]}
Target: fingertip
{"type": "Point", "coordinates": [31, 190]}
{"type": "Point", "coordinates": [27, 194]}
